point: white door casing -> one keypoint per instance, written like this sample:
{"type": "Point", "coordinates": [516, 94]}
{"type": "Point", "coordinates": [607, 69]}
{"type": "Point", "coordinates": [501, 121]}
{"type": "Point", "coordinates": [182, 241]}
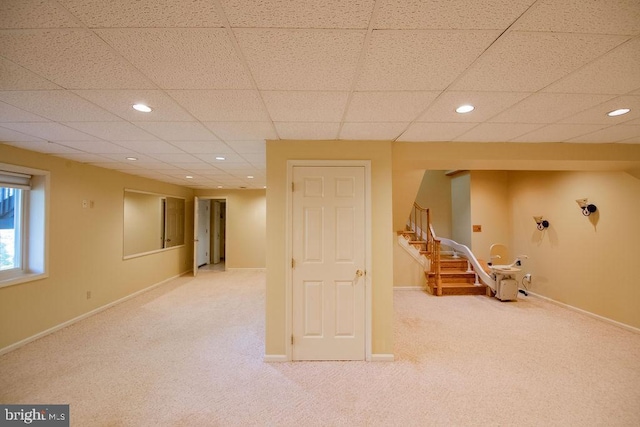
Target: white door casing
{"type": "Point", "coordinates": [204, 232]}
{"type": "Point", "coordinates": [329, 260]}
{"type": "Point", "coordinates": [195, 235]}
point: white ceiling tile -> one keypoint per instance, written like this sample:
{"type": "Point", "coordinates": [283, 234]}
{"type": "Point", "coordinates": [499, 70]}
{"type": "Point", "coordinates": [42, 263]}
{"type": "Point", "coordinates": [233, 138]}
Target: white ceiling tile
{"type": "Point", "coordinates": [178, 131]}
{"type": "Point", "coordinates": [50, 131]}
{"type": "Point", "coordinates": [632, 122]}
{"type": "Point", "coordinates": [527, 61]}
{"type": "Point", "coordinates": [149, 147]}
{"type": "Point", "coordinates": [9, 113]}
{"type": "Point", "coordinates": [15, 77]}
{"type": "Point", "coordinates": [222, 105]}
{"type": "Point", "coordinates": [113, 131]}
{"type": "Point", "coordinates": [305, 106]}
{"type": "Point", "coordinates": [202, 147]}
{"type": "Point", "coordinates": [211, 158]}
{"type": "Point", "coordinates": [557, 133]}
{"type": "Point", "coordinates": [450, 14]}
{"type": "Point", "coordinates": [579, 16]}
{"type": "Point", "coordinates": [420, 60]}
{"type": "Point", "coordinates": [144, 13]}
{"type": "Point", "coordinates": [598, 114]}
{"type": "Point", "coordinates": [57, 105]}
{"type": "Point", "coordinates": [201, 166]}
{"type": "Point", "coordinates": [388, 106]}
{"type": "Point", "coordinates": [497, 132]}
{"type": "Point", "coordinates": [175, 157]}
{"type": "Point", "coordinates": [255, 157]}
{"type": "Point", "coordinates": [42, 147]}
{"type": "Point", "coordinates": [35, 14]}
{"type": "Point", "coordinates": [285, 59]}
{"type": "Point", "coordinates": [372, 131]}
{"type": "Point", "coordinates": [299, 13]}
{"type": "Point", "coordinates": [435, 131]}
{"type": "Point", "coordinates": [74, 59]}
{"type": "Point", "coordinates": [549, 107]}
{"type": "Point", "coordinates": [120, 102]}
{"type": "Point", "coordinates": [242, 130]}
{"type": "Point", "coordinates": [301, 130]}
{"type": "Point", "coordinates": [248, 146]}
{"type": "Point", "coordinates": [487, 104]}
{"type": "Point", "coordinates": [142, 162]}
{"type": "Point", "coordinates": [10, 135]}
{"type": "Point", "coordinates": [182, 58]}
{"type": "Point", "coordinates": [95, 147]}
{"type": "Point", "coordinates": [615, 72]}
{"type": "Point", "coordinates": [611, 134]}
{"type": "Point", "coordinates": [84, 157]}
{"type": "Point", "coordinates": [235, 166]}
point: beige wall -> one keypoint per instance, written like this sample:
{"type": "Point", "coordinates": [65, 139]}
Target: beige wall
{"type": "Point", "coordinates": [586, 262]}
{"type": "Point", "coordinates": [245, 226]}
{"type": "Point", "coordinates": [407, 272]}
{"type": "Point", "coordinates": [435, 193]}
{"type": "Point", "coordinates": [461, 208]}
{"type": "Point", "coordinates": [489, 209]}
{"type": "Point", "coordinates": [278, 152]}
{"type": "Point", "coordinates": [85, 248]}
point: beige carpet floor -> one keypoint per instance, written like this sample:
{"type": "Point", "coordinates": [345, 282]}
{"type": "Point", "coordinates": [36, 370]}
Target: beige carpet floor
{"type": "Point", "coordinates": [190, 353]}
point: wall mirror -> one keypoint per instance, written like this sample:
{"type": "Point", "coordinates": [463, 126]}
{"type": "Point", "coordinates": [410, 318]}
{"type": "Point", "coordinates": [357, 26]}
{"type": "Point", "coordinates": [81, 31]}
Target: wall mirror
{"type": "Point", "coordinates": [152, 222]}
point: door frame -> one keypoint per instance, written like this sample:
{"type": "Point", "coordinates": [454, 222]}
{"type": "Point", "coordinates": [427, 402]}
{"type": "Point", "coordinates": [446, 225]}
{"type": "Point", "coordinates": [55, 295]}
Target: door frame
{"type": "Point", "coordinates": [196, 200]}
{"type": "Point", "coordinates": [289, 247]}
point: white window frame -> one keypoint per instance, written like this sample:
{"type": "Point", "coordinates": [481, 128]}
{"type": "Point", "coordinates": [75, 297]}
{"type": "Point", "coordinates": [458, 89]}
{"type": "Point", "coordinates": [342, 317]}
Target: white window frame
{"type": "Point", "coordinates": [33, 224]}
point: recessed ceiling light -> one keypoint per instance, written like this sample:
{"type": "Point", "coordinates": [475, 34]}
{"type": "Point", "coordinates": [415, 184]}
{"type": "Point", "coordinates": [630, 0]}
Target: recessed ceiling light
{"type": "Point", "coordinates": [465, 109]}
{"type": "Point", "coordinates": [618, 112]}
{"type": "Point", "coordinates": [142, 108]}
{"type": "Point", "coordinates": [220, 158]}
{"type": "Point", "coordinates": [250, 176]}
{"type": "Point", "coordinates": [219, 186]}
{"type": "Point", "coordinates": [264, 186]}
{"type": "Point", "coordinates": [133, 159]}
{"type": "Point", "coordinates": [189, 177]}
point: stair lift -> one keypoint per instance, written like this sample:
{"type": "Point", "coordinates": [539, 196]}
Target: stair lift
{"type": "Point", "coordinates": [505, 274]}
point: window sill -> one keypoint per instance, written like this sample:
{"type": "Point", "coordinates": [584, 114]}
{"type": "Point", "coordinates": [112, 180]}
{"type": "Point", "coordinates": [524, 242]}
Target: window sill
{"type": "Point", "coordinates": [22, 278]}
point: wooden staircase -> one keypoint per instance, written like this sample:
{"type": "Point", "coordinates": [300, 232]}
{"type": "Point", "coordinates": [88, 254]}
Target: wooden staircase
{"type": "Point", "coordinates": [446, 275]}
{"type": "Point", "coordinates": [455, 278]}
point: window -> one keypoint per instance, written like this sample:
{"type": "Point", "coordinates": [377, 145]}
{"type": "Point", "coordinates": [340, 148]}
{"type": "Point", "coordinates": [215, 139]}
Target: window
{"type": "Point", "coordinates": [23, 212]}
{"type": "Point", "coordinates": [10, 228]}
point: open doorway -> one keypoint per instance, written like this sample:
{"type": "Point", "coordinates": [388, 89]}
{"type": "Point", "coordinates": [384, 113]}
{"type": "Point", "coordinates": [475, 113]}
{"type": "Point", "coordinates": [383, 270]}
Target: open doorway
{"type": "Point", "coordinates": [210, 232]}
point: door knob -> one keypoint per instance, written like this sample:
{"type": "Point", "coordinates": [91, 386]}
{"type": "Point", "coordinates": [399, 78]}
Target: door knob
{"type": "Point", "coordinates": [359, 273]}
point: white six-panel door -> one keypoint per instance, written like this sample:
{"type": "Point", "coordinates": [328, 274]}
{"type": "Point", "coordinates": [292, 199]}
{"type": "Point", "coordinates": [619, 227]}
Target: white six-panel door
{"type": "Point", "coordinates": [328, 247]}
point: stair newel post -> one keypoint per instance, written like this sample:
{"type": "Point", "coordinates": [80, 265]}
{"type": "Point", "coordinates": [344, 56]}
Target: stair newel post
{"type": "Point", "coordinates": [436, 264]}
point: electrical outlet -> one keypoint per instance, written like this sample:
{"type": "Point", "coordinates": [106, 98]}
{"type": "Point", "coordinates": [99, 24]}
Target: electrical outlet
{"type": "Point", "coordinates": [88, 294]}
{"type": "Point", "coordinates": [527, 277]}
{"type": "Point", "coordinates": [85, 203]}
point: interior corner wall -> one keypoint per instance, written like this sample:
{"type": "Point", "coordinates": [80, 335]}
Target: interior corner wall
{"type": "Point", "coordinates": [435, 194]}
{"type": "Point", "coordinates": [586, 262]}
{"type": "Point", "coordinates": [380, 155]}
{"type": "Point", "coordinates": [246, 226]}
{"type": "Point", "coordinates": [490, 209]}
{"type": "Point", "coordinates": [461, 208]}
{"type": "Point", "coordinates": [85, 251]}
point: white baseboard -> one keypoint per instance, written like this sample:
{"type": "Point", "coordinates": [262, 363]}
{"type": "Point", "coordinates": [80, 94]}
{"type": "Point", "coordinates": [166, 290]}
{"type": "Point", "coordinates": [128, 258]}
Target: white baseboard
{"type": "Point", "coordinates": [275, 358]}
{"type": "Point", "coordinates": [381, 357]}
{"type": "Point", "coordinates": [62, 325]}
{"type": "Point", "coordinates": [409, 288]}
{"type": "Point", "coordinates": [246, 269]}
{"type": "Point", "coordinates": [588, 313]}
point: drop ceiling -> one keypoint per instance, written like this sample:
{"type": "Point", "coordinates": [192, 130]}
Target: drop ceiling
{"type": "Point", "coordinates": [223, 76]}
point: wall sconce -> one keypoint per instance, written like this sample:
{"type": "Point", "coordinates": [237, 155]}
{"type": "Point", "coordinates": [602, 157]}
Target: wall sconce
{"type": "Point", "coordinates": [587, 208]}
{"type": "Point", "coordinates": [542, 223]}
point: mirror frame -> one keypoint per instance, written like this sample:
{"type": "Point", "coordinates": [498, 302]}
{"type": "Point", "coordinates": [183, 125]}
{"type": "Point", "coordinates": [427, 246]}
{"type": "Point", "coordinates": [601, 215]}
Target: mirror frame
{"type": "Point", "coordinates": [162, 198]}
